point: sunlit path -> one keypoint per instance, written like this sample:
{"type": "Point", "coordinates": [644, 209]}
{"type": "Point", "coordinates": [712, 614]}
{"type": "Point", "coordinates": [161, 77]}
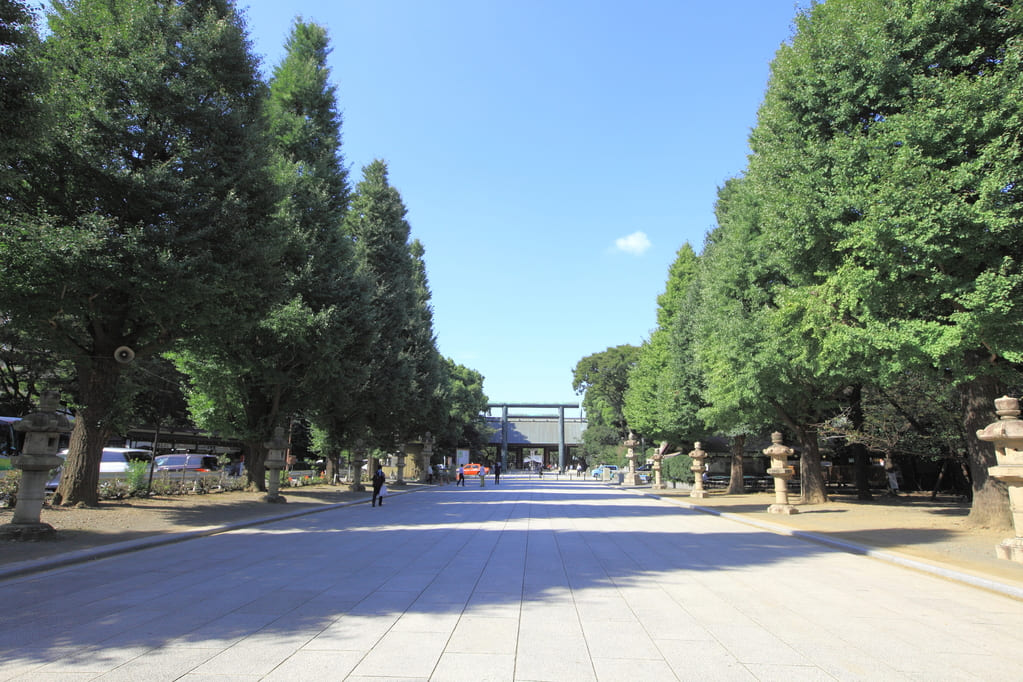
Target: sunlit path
{"type": "Point", "coordinates": [529, 580]}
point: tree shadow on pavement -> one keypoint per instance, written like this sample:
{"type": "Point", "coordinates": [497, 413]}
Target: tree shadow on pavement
{"type": "Point", "coordinates": [352, 570]}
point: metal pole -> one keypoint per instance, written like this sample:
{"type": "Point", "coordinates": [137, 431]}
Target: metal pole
{"type": "Point", "coordinates": [504, 436]}
{"type": "Point", "coordinates": [561, 439]}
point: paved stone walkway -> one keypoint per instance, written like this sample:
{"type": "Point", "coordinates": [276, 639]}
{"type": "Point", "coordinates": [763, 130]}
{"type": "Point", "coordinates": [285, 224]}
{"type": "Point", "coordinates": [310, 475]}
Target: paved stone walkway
{"type": "Point", "coordinates": [524, 581]}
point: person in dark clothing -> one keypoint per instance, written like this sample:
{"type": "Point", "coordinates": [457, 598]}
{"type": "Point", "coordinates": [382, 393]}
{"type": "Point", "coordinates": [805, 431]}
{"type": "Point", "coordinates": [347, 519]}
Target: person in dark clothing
{"type": "Point", "coordinates": [379, 489]}
{"type": "Point", "coordinates": [497, 472]}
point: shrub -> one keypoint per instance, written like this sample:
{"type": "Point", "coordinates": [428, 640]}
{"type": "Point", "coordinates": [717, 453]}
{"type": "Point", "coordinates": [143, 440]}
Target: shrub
{"type": "Point", "coordinates": [677, 469]}
{"type": "Point", "coordinates": [138, 478]}
{"type": "Point", "coordinates": [9, 488]}
{"type": "Point", "coordinates": [115, 489]}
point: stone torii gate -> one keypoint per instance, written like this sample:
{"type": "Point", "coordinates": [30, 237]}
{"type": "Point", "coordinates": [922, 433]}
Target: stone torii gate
{"type": "Point", "coordinates": [560, 407]}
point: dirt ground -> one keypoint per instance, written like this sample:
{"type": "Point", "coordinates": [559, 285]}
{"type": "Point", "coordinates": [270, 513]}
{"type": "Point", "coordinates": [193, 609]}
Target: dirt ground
{"type": "Point", "coordinates": [117, 521]}
{"type": "Point", "coordinates": [911, 525]}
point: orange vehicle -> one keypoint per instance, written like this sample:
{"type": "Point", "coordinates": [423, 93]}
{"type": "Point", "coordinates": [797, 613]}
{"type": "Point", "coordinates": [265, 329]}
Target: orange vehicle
{"type": "Point", "coordinates": [474, 470]}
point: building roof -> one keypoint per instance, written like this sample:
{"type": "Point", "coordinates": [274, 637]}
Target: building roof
{"type": "Point", "coordinates": [536, 430]}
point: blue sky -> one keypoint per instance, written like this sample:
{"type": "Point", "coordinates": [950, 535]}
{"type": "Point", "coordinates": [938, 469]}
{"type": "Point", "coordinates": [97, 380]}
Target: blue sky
{"type": "Point", "coordinates": [553, 155]}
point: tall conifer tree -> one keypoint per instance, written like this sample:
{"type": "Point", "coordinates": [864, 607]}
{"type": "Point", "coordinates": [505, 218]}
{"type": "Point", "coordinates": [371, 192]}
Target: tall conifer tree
{"type": "Point", "coordinates": [308, 351]}
{"type": "Point", "coordinates": [404, 368]}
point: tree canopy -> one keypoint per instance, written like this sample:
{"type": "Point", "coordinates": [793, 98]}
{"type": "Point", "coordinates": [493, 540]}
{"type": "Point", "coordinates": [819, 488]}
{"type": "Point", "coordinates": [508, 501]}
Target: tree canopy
{"type": "Point", "coordinates": [161, 199]}
{"type": "Point", "coordinates": [150, 207]}
{"type": "Point", "coordinates": [872, 242]}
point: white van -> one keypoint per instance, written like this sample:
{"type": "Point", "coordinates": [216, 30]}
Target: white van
{"type": "Point", "coordinates": [114, 463]}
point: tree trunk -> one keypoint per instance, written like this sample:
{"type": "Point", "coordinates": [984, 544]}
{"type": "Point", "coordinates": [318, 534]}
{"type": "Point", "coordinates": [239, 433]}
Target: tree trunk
{"type": "Point", "coordinates": [736, 482]}
{"type": "Point", "coordinates": [810, 474]}
{"type": "Point", "coordinates": [861, 458]}
{"type": "Point", "coordinates": [79, 478]}
{"type": "Point", "coordinates": [255, 466]}
{"type": "Point", "coordinates": [990, 506]}
{"type": "Point", "coordinates": [333, 468]}
{"type": "Point", "coordinates": [940, 479]}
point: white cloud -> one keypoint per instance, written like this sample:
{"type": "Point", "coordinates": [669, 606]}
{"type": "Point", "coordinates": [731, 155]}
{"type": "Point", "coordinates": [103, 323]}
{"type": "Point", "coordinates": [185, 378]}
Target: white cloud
{"type": "Point", "coordinates": [636, 243]}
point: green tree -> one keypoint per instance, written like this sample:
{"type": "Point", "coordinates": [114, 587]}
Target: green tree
{"type": "Point", "coordinates": [403, 369]}
{"type": "Point", "coordinates": [658, 402]}
{"type": "Point", "coordinates": [900, 168]}
{"type": "Point", "coordinates": [311, 346]}
{"type": "Point", "coordinates": [426, 404]}
{"type": "Point", "coordinates": [464, 424]}
{"type": "Point", "coordinates": [21, 79]}
{"type": "Point", "coordinates": [602, 444]}
{"type": "Point", "coordinates": [23, 368]}
{"type": "Point", "coordinates": [603, 379]}
{"type": "Point", "coordinates": [153, 197]}
{"type": "Point", "coordinates": [756, 369]}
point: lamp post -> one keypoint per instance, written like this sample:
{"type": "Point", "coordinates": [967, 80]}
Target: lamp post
{"type": "Point", "coordinates": [782, 472]}
{"type": "Point", "coordinates": [1007, 436]}
{"type": "Point", "coordinates": [39, 455]}
{"type": "Point", "coordinates": [275, 449]}
{"type": "Point", "coordinates": [698, 455]}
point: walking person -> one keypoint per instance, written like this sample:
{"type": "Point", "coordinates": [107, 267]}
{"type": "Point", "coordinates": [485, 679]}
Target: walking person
{"type": "Point", "coordinates": [379, 487]}
{"type": "Point", "coordinates": [461, 476]}
{"type": "Point", "coordinates": [497, 472]}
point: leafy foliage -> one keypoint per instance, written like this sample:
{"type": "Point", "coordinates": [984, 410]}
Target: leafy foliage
{"type": "Point", "coordinates": [149, 197]}
{"type": "Point", "coordinates": [662, 395]}
{"type": "Point", "coordinates": [677, 469]}
{"type": "Point", "coordinates": [405, 365]}
{"type": "Point", "coordinates": [603, 379]}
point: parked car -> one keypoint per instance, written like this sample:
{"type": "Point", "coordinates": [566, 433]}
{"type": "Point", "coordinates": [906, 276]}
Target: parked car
{"type": "Point", "coordinates": [599, 471]}
{"type": "Point", "coordinates": [114, 464]}
{"type": "Point", "coordinates": [187, 462]}
{"type": "Point", "coordinates": [474, 470]}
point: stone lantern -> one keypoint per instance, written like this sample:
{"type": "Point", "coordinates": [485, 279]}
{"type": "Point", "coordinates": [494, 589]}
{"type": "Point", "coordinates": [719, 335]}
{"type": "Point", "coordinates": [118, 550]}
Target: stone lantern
{"type": "Point", "coordinates": [1007, 436]}
{"type": "Point", "coordinates": [658, 456]}
{"type": "Point", "coordinates": [425, 468]}
{"type": "Point", "coordinates": [782, 472]}
{"type": "Point", "coordinates": [358, 451]}
{"type": "Point", "coordinates": [38, 457]}
{"type": "Point", "coordinates": [631, 477]}
{"type": "Point", "coordinates": [698, 455]}
{"type": "Point", "coordinates": [399, 474]}
{"type": "Point", "coordinates": [275, 449]}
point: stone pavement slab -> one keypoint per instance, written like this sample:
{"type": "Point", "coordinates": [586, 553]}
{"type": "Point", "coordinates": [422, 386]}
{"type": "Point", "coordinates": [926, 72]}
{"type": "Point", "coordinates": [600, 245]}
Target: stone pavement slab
{"type": "Point", "coordinates": [526, 581]}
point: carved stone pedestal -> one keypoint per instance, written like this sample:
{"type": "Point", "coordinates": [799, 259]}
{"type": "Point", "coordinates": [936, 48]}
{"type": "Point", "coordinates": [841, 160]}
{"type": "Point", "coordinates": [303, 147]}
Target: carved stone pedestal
{"type": "Point", "coordinates": [658, 457]}
{"type": "Point", "coordinates": [1007, 436]}
{"type": "Point", "coordinates": [698, 455]}
{"type": "Point", "coordinates": [275, 449]}
{"type": "Point", "coordinates": [782, 472]}
{"type": "Point", "coordinates": [631, 477]}
{"type": "Point", "coordinates": [42, 437]}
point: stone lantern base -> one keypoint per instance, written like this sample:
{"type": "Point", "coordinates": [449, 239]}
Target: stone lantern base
{"type": "Point", "coordinates": [1011, 549]}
